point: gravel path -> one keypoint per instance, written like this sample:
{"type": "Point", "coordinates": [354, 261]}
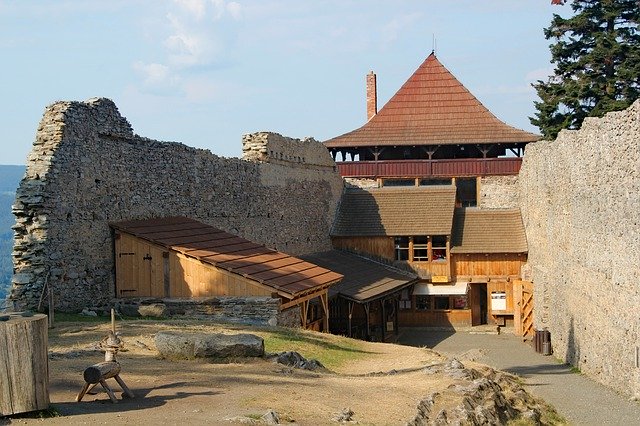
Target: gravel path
{"type": "Point", "coordinates": [579, 399]}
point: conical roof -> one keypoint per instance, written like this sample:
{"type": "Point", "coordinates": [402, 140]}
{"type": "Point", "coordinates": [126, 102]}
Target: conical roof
{"type": "Point", "coordinates": [432, 108]}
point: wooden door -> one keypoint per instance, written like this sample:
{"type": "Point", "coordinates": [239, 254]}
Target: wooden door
{"type": "Point", "coordinates": [478, 303]}
{"type": "Point", "coordinates": [139, 268]}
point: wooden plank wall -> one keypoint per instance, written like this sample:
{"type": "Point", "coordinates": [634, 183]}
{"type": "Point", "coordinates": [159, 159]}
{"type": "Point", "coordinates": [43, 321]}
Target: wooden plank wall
{"type": "Point", "coordinates": [376, 246]}
{"type": "Point", "coordinates": [478, 265]}
{"type": "Point", "coordinates": [500, 286]}
{"type": "Point", "coordinates": [191, 278]}
{"type": "Point", "coordinates": [140, 272]}
{"type": "Point", "coordinates": [435, 318]}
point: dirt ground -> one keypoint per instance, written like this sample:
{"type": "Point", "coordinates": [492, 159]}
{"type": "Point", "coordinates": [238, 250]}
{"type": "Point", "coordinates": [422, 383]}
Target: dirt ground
{"type": "Point", "coordinates": [200, 392]}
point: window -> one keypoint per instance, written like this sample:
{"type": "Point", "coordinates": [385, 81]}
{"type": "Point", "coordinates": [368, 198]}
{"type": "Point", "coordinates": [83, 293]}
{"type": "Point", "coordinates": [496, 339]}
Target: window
{"type": "Point", "coordinates": [399, 182]}
{"type": "Point", "coordinates": [423, 303]}
{"type": "Point", "coordinates": [435, 181]}
{"type": "Point", "coordinates": [460, 302]}
{"type": "Point", "coordinates": [439, 248]}
{"type": "Point", "coordinates": [441, 302]}
{"type": "Point", "coordinates": [402, 248]}
{"type": "Point", "coordinates": [405, 299]}
{"type": "Point", "coordinates": [420, 249]}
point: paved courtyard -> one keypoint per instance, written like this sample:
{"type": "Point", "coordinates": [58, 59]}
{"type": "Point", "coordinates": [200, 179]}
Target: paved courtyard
{"type": "Point", "coordinates": [579, 399]}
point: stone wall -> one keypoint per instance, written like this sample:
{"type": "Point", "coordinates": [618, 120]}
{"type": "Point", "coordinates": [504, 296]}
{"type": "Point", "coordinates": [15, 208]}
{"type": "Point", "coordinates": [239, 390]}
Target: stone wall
{"type": "Point", "coordinates": [580, 199]}
{"type": "Point", "coordinates": [87, 168]}
{"type": "Point", "coordinates": [498, 192]}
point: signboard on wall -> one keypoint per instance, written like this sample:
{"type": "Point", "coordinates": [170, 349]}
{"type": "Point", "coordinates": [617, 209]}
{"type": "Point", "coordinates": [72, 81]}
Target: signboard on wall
{"type": "Point", "coordinates": [439, 279]}
{"type": "Point", "coordinates": [498, 301]}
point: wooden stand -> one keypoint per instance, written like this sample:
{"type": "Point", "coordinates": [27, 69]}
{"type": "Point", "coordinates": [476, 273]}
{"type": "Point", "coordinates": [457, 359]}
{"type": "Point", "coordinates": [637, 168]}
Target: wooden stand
{"type": "Point", "coordinates": [24, 366]}
{"type": "Point", "coordinates": [99, 373]}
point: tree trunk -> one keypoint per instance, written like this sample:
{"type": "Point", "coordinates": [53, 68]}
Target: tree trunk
{"type": "Point", "coordinates": [24, 366]}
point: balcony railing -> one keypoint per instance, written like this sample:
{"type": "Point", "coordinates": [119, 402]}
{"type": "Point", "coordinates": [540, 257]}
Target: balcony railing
{"type": "Point", "coordinates": [430, 168]}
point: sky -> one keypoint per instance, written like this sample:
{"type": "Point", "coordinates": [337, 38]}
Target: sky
{"type": "Point", "coordinates": [205, 72]}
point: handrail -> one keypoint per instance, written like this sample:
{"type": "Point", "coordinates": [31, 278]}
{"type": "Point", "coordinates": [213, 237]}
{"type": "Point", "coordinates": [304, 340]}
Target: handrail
{"type": "Point", "coordinates": [431, 168]}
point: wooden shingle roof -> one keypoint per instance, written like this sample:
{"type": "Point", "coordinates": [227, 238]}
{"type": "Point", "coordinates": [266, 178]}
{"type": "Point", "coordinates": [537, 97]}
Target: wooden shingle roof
{"type": "Point", "coordinates": [287, 275]}
{"type": "Point", "coordinates": [432, 108]}
{"type": "Point", "coordinates": [488, 231]}
{"type": "Point", "coordinates": [364, 279]}
{"type": "Point", "coordinates": [395, 211]}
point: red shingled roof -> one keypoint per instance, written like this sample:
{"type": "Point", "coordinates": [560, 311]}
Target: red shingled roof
{"type": "Point", "coordinates": [289, 276]}
{"type": "Point", "coordinates": [432, 108]}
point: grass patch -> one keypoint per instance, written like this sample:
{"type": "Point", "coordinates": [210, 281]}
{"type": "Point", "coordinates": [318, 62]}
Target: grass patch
{"type": "Point", "coordinates": [332, 351]}
{"type": "Point", "coordinates": [575, 370]}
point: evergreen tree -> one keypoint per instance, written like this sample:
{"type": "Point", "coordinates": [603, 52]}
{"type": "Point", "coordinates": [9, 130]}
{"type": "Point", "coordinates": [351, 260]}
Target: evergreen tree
{"type": "Point", "coordinates": [596, 54]}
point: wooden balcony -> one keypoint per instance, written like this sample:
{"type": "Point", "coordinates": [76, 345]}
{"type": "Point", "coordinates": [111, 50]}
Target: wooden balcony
{"type": "Point", "coordinates": [430, 168]}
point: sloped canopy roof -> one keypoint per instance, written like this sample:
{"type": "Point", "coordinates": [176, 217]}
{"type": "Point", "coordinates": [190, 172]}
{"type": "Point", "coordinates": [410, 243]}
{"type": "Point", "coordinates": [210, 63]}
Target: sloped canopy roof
{"type": "Point", "coordinates": [364, 279]}
{"type": "Point", "coordinates": [396, 211]}
{"type": "Point", "coordinates": [488, 231]}
{"type": "Point", "coordinates": [432, 108]}
{"type": "Point", "coordinates": [289, 276]}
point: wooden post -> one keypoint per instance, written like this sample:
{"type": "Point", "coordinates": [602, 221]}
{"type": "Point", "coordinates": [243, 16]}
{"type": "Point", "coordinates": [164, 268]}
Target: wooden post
{"type": "Point", "coordinates": [324, 300]}
{"type": "Point", "coordinates": [350, 305]}
{"type": "Point", "coordinates": [366, 309]}
{"type": "Point", "coordinates": [24, 365]}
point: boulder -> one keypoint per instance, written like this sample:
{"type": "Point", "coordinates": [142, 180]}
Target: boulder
{"type": "Point", "coordinates": [157, 310]}
{"type": "Point", "coordinates": [176, 345]}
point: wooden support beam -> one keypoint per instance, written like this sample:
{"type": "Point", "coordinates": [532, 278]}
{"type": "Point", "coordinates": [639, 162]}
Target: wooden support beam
{"type": "Point", "coordinates": [304, 307]}
{"type": "Point", "coordinates": [366, 309]}
{"type": "Point", "coordinates": [350, 305]}
{"type": "Point", "coordinates": [324, 301]}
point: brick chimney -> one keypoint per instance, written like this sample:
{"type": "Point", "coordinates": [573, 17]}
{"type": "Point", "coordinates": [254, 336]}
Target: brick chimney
{"type": "Point", "coordinates": [372, 96]}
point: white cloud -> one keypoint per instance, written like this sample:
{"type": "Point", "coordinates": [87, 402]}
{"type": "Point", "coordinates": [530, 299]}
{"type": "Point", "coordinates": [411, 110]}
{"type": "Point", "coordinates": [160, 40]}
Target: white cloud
{"type": "Point", "coordinates": [196, 34]}
{"type": "Point", "coordinates": [397, 25]}
{"type": "Point", "coordinates": [235, 10]}
{"type": "Point", "coordinates": [196, 8]}
{"type": "Point", "coordinates": [152, 73]}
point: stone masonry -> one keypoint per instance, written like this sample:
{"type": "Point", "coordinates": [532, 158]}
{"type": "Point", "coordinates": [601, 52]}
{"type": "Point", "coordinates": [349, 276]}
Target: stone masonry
{"type": "Point", "coordinates": [88, 168]}
{"type": "Point", "coordinates": [580, 200]}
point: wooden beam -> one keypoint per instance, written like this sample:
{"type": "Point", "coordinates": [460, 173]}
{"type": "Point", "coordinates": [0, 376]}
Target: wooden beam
{"type": "Point", "coordinates": [301, 299]}
{"type": "Point", "coordinates": [304, 307]}
{"type": "Point", "coordinates": [324, 300]}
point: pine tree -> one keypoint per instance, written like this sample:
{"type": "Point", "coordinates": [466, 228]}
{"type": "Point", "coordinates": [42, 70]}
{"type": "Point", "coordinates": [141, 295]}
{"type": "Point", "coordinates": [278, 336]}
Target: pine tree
{"type": "Point", "coordinates": [596, 54]}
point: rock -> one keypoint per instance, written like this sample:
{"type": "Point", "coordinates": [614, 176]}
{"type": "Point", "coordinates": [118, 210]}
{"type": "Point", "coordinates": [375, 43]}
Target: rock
{"type": "Point", "coordinates": [88, 313]}
{"type": "Point", "coordinates": [156, 310]}
{"type": "Point", "coordinates": [294, 359]}
{"type": "Point", "coordinates": [271, 418]}
{"type": "Point", "coordinates": [176, 345]}
{"type": "Point", "coordinates": [346, 415]}
{"type": "Point", "coordinates": [129, 310]}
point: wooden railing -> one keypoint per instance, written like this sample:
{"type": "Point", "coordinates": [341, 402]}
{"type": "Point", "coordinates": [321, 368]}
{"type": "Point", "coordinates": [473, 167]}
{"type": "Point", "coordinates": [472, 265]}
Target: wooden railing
{"type": "Point", "coordinates": [430, 168]}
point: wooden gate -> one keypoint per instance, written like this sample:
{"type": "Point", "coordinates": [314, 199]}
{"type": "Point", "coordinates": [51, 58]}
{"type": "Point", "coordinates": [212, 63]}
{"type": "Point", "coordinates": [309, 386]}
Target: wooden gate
{"type": "Point", "coordinates": [523, 308]}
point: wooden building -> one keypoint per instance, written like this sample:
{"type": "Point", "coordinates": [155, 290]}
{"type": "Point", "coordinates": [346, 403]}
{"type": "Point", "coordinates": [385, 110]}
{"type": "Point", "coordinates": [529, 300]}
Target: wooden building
{"type": "Point", "coordinates": [366, 303]}
{"type": "Point", "coordinates": [178, 257]}
{"type": "Point", "coordinates": [428, 150]}
{"type": "Point", "coordinates": [432, 129]}
{"type": "Point", "coordinates": [466, 258]}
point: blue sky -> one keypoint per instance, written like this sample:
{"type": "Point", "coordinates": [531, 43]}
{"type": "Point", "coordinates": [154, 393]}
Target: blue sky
{"type": "Point", "coordinates": [204, 72]}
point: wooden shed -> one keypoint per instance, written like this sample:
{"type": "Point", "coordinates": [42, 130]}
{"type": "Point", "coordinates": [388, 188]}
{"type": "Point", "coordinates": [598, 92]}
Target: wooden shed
{"type": "Point", "coordinates": [365, 304]}
{"type": "Point", "coordinates": [178, 257]}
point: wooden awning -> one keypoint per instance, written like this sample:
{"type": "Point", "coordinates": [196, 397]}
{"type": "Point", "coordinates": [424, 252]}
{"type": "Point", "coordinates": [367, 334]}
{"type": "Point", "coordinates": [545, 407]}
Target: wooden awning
{"type": "Point", "coordinates": [364, 280]}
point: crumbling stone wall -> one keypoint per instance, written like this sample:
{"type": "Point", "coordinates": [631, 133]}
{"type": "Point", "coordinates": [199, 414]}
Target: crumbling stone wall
{"type": "Point", "coordinates": [580, 200]}
{"type": "Point", "coordinates": [498, 192]}
{"type": "Point", "coordinates": [88, 168]}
